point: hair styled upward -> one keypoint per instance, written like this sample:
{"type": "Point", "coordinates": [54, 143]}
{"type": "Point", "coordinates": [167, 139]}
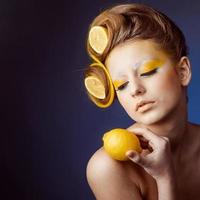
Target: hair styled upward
{"type": "Point", "coordinates": [137, 21]}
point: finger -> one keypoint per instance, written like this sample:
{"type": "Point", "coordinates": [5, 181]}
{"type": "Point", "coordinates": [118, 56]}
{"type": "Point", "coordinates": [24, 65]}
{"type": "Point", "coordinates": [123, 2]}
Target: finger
{"type": "Point", "coordinates": [152, 138]}
{"type": "Point", "coordinates": [146, 133]}
{"type": "Point", "coordinates": [165, 138]}
{"type": "Point", "coordinates": [136, 158]}
{"type": "Point", "coordinates": [143, 141]}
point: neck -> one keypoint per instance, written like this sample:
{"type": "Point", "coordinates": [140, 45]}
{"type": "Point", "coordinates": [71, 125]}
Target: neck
{"type": "Point", "coordinates": [175, 127]}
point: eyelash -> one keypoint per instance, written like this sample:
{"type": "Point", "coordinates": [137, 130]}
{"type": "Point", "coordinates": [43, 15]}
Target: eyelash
{"type": "Point", "coordinates": [121, 87]}
{"type": "Point", "coordinates": [150, 72]}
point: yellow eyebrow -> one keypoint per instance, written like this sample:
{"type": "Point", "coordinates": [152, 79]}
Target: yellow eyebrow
{"type": "Point", "coordinates": [118, 83]}
{"type": "Point", "coordinates": [150, 65]}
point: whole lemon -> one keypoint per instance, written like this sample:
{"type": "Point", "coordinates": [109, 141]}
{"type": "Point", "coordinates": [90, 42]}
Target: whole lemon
{"type": "Point", "coordinates": [117, 142]}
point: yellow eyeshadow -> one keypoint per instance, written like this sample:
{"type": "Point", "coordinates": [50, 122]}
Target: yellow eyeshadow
{"type": "Point", "coordinates": [118, 83]}
{"type": "Point", "coordinates": [151, 65]}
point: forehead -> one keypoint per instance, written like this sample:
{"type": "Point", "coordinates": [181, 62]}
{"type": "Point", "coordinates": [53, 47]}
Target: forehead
{"type": "Point", "coordinates": [133, 54]}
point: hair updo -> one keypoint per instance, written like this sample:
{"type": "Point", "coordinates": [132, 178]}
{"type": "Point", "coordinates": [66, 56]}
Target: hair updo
{"type": "Point", "coordinates": [136, 21]}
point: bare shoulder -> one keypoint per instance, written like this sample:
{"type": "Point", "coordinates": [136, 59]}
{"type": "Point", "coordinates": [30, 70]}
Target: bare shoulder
{"type": "Point", "coordinates": [112, 179]}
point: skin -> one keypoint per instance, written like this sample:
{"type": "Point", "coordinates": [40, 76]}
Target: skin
{"type": "Point", "coordinates": [171, 147]}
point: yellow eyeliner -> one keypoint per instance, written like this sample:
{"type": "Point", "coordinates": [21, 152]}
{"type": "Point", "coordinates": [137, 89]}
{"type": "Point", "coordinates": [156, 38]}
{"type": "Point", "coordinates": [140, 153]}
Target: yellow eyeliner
{"type": "Point", "coordinates": [151, 65]}
{"type": "Point", "coordinates": [118, 83]}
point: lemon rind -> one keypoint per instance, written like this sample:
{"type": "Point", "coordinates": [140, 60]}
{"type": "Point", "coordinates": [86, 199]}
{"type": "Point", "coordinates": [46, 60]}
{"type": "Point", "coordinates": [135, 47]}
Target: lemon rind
{"type": "Point", "coordinates": [111, 87]}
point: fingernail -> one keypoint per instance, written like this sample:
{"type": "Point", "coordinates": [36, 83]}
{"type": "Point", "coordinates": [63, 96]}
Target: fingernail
{"type": "Point", "coordinates": [131, 154]}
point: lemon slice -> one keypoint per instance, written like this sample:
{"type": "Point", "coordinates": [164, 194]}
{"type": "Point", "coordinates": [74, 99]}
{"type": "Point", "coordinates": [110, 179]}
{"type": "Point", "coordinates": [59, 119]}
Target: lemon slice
{"type": "Point", "coordinates": [98, 38]}
{"type": "Point", "coordinates": [95, 87]}
{"type": "Point", "coordinates": [118, 141]}
{"type": "Point", "coordinates": [111, 92]}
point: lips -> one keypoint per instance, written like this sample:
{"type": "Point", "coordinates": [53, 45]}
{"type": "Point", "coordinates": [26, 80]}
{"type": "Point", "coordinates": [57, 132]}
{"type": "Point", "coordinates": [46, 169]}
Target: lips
{"type": "Point", "coordinates": [143, 105]}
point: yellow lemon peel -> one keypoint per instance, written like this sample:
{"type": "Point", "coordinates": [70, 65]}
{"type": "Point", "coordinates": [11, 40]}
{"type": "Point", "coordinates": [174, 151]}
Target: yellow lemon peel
{"type": "Point", "coordinates": [118, 141]}
{"type": "Point", "coordinates": [111, 87]}
{"type": "Point", "coordinates": [98, 38]}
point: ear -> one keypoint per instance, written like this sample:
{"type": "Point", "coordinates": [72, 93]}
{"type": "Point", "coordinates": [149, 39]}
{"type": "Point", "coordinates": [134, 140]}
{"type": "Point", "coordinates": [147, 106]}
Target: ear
{"type": "Point", "coordinates": [184, 71]}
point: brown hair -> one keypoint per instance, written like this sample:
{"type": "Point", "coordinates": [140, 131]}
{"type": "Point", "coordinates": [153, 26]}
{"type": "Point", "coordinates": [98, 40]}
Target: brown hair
{"type": "Point", "coordinates": [130, 21]}
{"type": "Point", "coordinates": [137, 21]}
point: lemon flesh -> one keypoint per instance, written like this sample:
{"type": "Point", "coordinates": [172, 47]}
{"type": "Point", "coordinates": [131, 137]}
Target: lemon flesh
{"type": "Point", "coordinates": [110, 96]}
{"type": "Point", "coordinates": [118, 141]}
{"type": "Point", "coordinates": [98, 38]}
{"type": "Point", "coordinates": [95, 87]}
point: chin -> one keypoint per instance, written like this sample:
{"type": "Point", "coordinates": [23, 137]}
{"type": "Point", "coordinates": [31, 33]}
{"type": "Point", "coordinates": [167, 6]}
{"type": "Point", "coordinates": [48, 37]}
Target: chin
{"type": "Point", "coordinates": [150, 118]}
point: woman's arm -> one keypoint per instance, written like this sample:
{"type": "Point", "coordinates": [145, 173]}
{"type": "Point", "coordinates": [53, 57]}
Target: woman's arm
{"type": "Point", "coordinates": [158, 163]}
{"type": "Point", "coordinates": [167, 188]}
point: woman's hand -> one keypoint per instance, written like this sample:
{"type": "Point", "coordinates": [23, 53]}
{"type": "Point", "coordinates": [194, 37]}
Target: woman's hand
{"type": "Point", "coordinates": [156, 156]}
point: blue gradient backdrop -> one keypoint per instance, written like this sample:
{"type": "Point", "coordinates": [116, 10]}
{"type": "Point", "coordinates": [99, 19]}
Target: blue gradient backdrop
{"type": "Point", "coordinates": [49, 127]}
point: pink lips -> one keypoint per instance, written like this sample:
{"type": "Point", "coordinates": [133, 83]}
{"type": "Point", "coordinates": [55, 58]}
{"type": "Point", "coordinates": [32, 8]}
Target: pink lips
{"type": "Point", "coordinates": [143, 105]}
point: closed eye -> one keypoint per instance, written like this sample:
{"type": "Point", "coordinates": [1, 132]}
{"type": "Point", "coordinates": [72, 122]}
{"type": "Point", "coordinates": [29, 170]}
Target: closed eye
{"type": "Point", "coordinates": [150, 72]}
{"type": "Point", "coordinates": [121, 87]}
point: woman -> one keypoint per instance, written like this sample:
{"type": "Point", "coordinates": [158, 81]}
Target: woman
{"type": "Point", "coordinates": [147, 60]}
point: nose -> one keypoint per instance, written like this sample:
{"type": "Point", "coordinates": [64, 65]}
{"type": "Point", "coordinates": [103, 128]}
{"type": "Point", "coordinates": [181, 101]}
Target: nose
{"type": "Point", "coordinates": [137, 89]}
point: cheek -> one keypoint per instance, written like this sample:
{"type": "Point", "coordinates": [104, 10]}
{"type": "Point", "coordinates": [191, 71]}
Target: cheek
{"type": "Point", "coordinates": [122, 99]}
{"type": "Point", "coordinates": [166, 84]}
{"type": "Point", "coordinates": [125, 101]}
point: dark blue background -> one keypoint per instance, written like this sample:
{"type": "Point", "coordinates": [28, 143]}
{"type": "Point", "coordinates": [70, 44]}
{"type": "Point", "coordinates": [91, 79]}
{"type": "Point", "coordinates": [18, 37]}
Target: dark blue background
{"type": "Point", "coordinates": [49, 127]}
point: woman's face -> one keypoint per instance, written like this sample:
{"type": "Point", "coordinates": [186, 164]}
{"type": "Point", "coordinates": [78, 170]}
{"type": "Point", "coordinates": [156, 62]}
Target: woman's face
{"type": "Point", "coordinates": [145, 79]}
